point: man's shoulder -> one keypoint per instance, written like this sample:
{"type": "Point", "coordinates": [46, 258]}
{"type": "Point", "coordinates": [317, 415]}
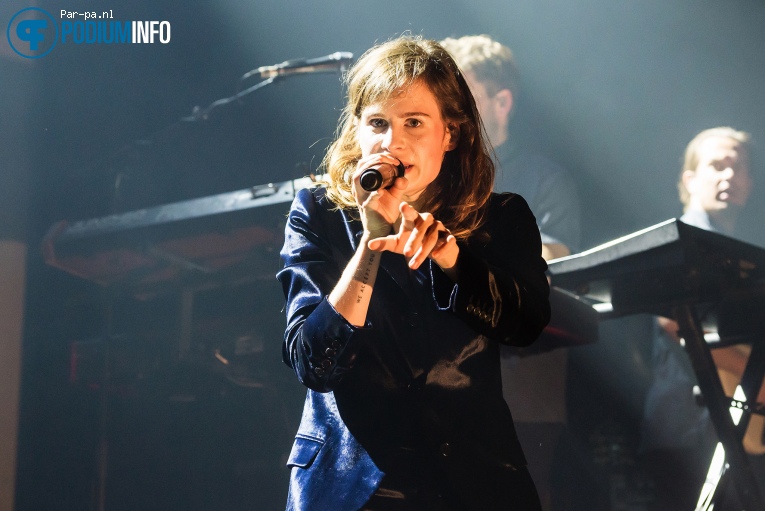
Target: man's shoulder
{"type": "Point", "coordinates": [536, 177]}
{"type": "Point", "coordinates": [525, 161]}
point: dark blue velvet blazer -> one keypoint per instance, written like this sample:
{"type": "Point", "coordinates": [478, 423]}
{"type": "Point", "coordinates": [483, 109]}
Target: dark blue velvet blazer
{"type": "Point", "coordinates": [423, 372]}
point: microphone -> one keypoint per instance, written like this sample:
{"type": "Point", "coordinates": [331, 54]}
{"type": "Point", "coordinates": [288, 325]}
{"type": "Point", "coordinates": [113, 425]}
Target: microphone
{"type": "Point", "coordinates": [333, 63]}
{"type": "Point", "coordinates": [381, 176]}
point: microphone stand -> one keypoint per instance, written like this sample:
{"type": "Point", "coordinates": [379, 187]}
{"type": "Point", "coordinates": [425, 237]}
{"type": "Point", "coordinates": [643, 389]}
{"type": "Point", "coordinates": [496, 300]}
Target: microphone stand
{"type": "Point", "coordinates": [203, 114]}
{"type": "Point", "coordinates": [129, 149]}
{"type": "Point", "coordinates": [329, 64]}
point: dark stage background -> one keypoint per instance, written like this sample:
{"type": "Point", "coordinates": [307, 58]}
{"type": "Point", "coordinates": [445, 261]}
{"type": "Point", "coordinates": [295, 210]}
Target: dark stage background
{"type": "Point", "coordinates": [612, 89]}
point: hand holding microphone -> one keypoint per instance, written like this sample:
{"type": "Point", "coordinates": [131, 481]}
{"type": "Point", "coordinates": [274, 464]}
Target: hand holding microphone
{"type": "Point", "coordinates": [379, 192]}
{"type": "Point", "coordinates": [381, 176]}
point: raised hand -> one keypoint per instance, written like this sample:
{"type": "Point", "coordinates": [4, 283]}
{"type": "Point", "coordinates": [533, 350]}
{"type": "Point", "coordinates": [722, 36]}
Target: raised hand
{"type": "Point", "coordinates": [419, 236]}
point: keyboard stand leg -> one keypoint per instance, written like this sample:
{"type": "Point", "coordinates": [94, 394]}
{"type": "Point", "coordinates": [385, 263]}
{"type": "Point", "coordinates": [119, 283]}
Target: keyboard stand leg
{"type": "Point", "coordinates": [709, 491]}
{"type": "Point", "coordinates": [718, 405]}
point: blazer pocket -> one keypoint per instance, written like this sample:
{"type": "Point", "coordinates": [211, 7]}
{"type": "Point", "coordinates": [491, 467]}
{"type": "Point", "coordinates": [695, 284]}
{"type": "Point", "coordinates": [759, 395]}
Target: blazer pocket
{"type": "Point", "coordinates": [304, 451]}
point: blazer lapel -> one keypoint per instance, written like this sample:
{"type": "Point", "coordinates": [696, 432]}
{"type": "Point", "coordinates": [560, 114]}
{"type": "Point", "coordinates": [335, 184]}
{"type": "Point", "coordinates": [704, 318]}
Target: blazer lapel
{"type": "Point", "coordinates": [395, 266]}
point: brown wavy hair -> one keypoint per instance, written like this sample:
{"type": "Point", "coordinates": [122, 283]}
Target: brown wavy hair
{"type": "Point", "coordinates": [459, 195]}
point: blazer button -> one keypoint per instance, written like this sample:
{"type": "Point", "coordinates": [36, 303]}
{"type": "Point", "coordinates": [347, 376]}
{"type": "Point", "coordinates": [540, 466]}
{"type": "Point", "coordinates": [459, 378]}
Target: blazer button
{"type": "Point", "coordinates": [336, 344]}
{"type": "Point", "coordinates": [470, 308]}
{"type": "Point", "coordinates": [330, 352]}
{"type": "Point", "coordinates": [319, 371]}
{"type": "Point", "coordinates": [509, 467]}
{"type": "Point", "coordinates": [326, 363]}
{"type": "Point", "coordinates": [445, 449]}
{"type": "Point", "coordinates": [418, 383]}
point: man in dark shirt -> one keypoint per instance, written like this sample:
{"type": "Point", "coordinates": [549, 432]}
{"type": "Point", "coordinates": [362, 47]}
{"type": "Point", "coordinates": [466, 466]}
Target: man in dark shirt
{"type": "Point", "coordinates": [533, 385]}
{"type": "Point", "coordinates": [490, 71]}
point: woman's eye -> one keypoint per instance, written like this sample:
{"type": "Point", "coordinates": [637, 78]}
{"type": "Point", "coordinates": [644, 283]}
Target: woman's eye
{"type": "Point", "coordinates": [414, 123]}
{"type": "Point", "coordinates": [377, 123]}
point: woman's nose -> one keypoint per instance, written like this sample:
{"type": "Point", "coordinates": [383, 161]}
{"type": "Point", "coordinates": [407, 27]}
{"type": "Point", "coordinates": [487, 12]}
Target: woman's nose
{"type": "Point", "coordinates": [392, 139]}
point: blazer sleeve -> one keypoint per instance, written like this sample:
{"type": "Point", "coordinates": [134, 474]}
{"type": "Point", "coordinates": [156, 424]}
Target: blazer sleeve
{"type": "Point", "coordinates": [502, 290]}
{"type": "Point", "coordinates": [319, 344]}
